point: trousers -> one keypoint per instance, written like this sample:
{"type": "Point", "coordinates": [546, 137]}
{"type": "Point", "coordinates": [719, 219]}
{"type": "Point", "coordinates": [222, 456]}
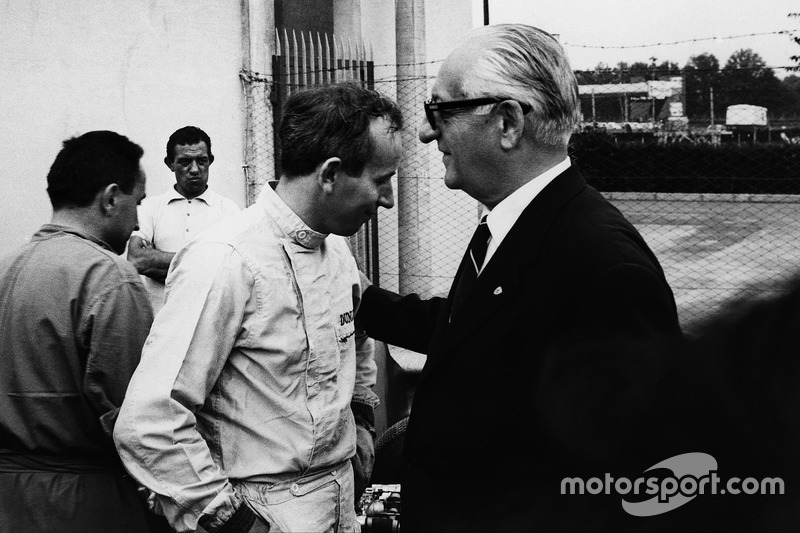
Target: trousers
{"type": "Point", "coordinates": [322, 502]}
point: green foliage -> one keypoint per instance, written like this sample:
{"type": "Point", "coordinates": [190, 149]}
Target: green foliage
{"type": "Point", "coordinates": [796, 38]}
{"type": "Point", "coordinates": [627, 73]}
{"type": "Point", "coordinates": [744, 79]}
{"type": "Point", "coordinates": [727, 168]}
{"type": "Point", "coordinates": [702, 78]}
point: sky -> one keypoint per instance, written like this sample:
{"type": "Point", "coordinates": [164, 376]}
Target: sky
{"type": "Point", "coordinates": [610, 31]}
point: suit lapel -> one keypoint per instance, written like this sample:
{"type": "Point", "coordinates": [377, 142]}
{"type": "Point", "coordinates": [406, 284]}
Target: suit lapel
{"type": "Point", "coordinates": [500, 280]}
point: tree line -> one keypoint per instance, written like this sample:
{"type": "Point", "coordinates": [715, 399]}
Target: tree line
{"type": "Point", "coordinates": [744, 79]}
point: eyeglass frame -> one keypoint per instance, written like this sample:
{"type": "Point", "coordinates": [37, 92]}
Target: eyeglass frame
{"type": "Point", "coordinates": [431, 106]}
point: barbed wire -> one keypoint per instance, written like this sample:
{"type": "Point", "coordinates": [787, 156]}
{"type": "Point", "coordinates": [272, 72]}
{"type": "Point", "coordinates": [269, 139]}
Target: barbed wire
{"type": "Point", "coordinates": [257, 77]}
{"type": "Point", "coordinates": [254, 77]}
{"type": "Point", "coordinates": [685, 41]}
{"type": "Point", "coordinates": [410, 64]}
{"type": "Point", "coordinates": [682, 70]}
{"type": "Point", "coordinates": [251, 76]}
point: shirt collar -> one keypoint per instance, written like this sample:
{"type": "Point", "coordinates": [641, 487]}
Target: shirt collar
{"type": "Point", "coordinates": [207, 196]}
{"type": "Point", "coordinates": [51, 229]}
{"type": "Point", "coordinates": [287, 220]}
{"type": "Point", "coordinates": [505, 214]}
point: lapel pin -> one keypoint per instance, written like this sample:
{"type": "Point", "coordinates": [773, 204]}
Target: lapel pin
{"type": "Point", "coordinates": [498, 290]}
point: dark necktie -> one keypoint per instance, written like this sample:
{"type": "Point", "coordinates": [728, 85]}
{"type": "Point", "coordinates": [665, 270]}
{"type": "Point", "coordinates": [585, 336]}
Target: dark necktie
{"type": "Point", "coordinates": [479, 244]}
{"type": "Point", "coordinates": [477, 253]}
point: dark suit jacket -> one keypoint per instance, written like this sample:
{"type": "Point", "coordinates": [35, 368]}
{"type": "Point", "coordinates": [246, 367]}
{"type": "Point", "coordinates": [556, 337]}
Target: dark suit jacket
{"type": "Point", "coordinates": [538, 377]}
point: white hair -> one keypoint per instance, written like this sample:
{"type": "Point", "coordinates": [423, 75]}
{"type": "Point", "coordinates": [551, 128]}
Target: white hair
{"type": "Point", "coordinates": [526, 64]}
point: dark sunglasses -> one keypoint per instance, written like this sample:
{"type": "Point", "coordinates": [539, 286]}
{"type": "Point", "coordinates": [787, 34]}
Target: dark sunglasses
{"type": "Point", "coordinates": [431, 106]}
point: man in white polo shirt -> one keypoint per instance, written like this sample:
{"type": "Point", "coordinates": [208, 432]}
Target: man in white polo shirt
{"type": "Point", "coordinates": [170, 220]}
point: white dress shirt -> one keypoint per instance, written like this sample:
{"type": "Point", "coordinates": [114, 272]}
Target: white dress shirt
{"type": "Point", "coordinates": [505, 214]}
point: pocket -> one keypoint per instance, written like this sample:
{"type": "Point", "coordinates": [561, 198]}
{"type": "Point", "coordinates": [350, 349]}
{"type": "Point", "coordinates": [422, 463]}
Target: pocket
{"type": "Point", "coordinates": [323, 494]}
{"type": "Point", "coordinates": [345, 334]}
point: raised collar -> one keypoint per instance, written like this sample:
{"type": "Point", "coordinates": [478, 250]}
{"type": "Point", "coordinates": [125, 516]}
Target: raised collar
{"type": "Point", "coordinates": [287, 220]}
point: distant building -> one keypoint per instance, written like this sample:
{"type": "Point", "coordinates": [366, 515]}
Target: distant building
{"type": "Point", "coordinates": [644, 101]}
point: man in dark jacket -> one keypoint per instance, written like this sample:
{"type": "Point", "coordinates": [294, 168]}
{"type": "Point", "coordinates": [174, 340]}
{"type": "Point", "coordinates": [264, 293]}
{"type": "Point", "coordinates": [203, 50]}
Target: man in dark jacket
{"type": "Point", "coordinates": [512, 398]}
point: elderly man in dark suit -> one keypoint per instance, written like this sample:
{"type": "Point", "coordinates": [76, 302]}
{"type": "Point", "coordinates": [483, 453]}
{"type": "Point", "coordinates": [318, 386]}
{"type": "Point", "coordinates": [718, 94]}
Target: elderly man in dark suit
{"type": "Point", "coordinates": [532, 370]}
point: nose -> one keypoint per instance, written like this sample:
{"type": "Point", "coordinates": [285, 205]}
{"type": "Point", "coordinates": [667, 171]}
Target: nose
{"type": "Point", "coordinates": [427, 133]}
{"type": "Point", "coordinates": [194, 169]}
{"type": "Point", "coordinates": [386, 199]}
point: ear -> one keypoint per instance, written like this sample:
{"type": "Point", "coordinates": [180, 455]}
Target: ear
{"type": "Point", "coordinates": [326, 175]}
{"type": "Point", "coordinates": [512, 123]}
{"type": "Point", "coordinates": [109, 198]}
{"type": "Point", "coordinates": [169, 164]}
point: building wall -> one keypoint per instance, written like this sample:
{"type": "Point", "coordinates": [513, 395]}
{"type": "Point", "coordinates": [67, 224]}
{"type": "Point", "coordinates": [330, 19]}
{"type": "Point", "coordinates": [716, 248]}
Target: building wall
{"type": "Point", "coordinates": [147, 67]}
{"type": "Point", "coordinates": [142, 68]}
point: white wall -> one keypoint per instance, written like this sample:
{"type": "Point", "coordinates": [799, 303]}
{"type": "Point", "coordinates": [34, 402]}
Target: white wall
{"type": "Point", "coordinates": [142, 68]}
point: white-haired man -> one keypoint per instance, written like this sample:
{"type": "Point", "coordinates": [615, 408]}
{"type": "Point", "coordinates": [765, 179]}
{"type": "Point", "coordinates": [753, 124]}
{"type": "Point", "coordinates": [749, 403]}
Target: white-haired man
{"type": "Point", "coordinates": [519, 388]}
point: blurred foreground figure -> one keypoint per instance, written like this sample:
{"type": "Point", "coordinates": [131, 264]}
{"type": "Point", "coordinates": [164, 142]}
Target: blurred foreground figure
{"type": "Point", "coordinates": [733, 395]}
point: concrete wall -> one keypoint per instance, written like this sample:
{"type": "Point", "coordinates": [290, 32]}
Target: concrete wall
{"type": "Point", "coordinates": [142, 68]}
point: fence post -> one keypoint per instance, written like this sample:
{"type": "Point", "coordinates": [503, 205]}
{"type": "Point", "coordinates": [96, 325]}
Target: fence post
{"type": "Point", "coordinates": [257, 78]}
{"type": "Point", "coordinates": [413, 195]}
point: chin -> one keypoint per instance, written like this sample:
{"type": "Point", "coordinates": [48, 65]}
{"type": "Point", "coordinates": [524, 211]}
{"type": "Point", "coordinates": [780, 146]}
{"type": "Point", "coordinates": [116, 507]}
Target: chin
{"type": "Point", "coordinates": [346, 232]}
{"type": "Point", "coordinates": [451, 182]}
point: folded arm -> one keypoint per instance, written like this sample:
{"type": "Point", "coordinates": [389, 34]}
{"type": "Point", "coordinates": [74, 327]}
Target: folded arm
{"type": "Point", "coordinates": [147, 260]}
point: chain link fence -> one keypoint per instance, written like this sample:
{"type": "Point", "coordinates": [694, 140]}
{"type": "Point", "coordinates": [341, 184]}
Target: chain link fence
{"type": "Point", "coordinates": [260, 145]}
{"type": "Point", "coordinates": [422, 240]}
{"type": "Point", "coordinates": [708, 173]}
{"type": "Point", "coordinates": [706, 164]}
